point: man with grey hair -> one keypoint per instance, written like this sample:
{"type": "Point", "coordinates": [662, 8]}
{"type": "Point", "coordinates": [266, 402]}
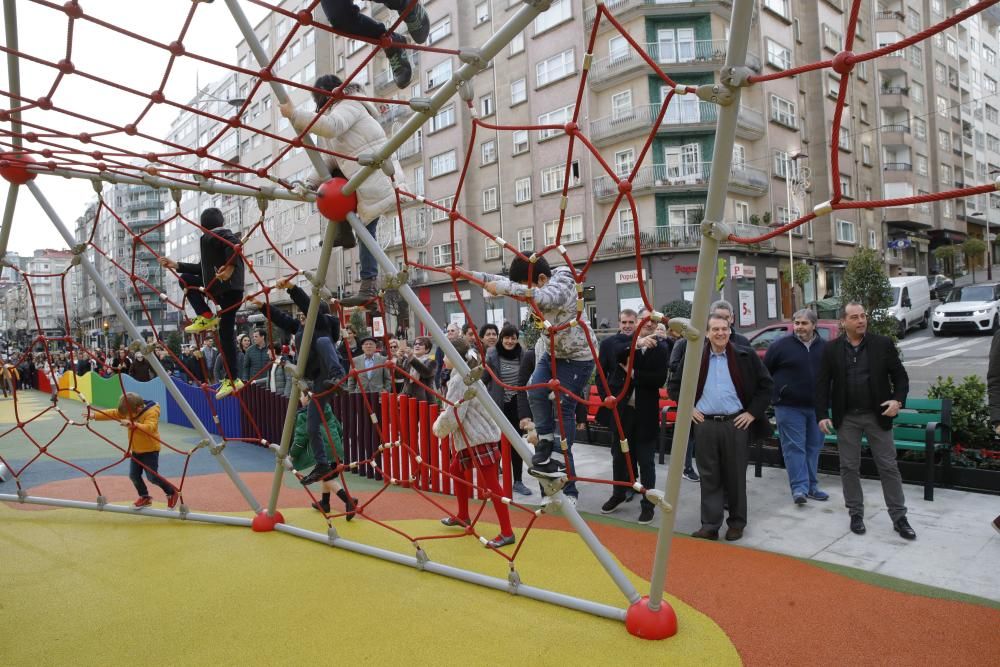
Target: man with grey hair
{"type": "Point", "coordinates": [793, 362]}
{"type": "Point", "coordinates": [863, 383]}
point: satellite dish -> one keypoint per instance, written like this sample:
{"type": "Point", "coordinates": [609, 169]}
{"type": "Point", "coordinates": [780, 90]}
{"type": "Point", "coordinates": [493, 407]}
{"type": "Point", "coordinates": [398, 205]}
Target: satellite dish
{"type": "Point", "coordinates": [21, 324]}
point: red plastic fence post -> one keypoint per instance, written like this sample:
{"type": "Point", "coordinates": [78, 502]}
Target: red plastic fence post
{"type": "Point", "coordinates": [412, 409]}
{"type": "Point", "coordinates": [351, 435]}
{"type": "Point", "coordinates": [388, 422]}
{"type": "Point", "coordinates": [404, 437]}
{"type": "Point", "coordinates": [425, 445]}
{"type": "Point", "coordinates": [394, 467]}
{"type": "Point", "coordinates": [435, 449]}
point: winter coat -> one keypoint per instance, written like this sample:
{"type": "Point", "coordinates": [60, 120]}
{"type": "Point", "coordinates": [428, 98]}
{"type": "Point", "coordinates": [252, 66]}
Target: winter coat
{"type": "Point", "coordinates": [887, 379]}
{"type": "Point", "coordinates": [218, 246]}
{"type": "Point", "coordinates": [255, 359]}
{"type": "Point", "coordinates": [144, 435]}
{"type": "Point", "coordinates": [141, 370]}
{"type": "Point", "coordinates": [557, 301]}
{"type": "Point", "coordinates": [422, 369]}
{"type": "Point", "coordinates": [497, 392]}
{"type": "Point", "coordinates": [278, 380]}
{"type": "Point", "coordinates": [993, 380]}
{"type": "Point", "coordinates": [477, 426]}
{"type": "Point", "coordinates": [323, 367]}
{"type": "Point", "coordinates": [301, 452]}
{"type": "Point", "coordinates": [350, 127]}
{"type": "Point", "coordinates": [795, 370]}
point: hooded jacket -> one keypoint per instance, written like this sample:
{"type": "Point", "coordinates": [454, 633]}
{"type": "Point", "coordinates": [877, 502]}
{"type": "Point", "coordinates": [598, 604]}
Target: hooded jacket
{"type": "Point", "coordinates": [351, 127]}
{"type": "Point", "coordinates": [218, 245]}
{"type": "Point", "coordinates": [144, 433]}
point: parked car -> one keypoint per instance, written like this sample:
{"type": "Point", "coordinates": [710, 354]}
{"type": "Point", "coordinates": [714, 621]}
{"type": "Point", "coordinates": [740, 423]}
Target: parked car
{"type": "Point", "coordinates": [940, 286]}
{"type": "Point", "coordinates": [761, 339]}
{"type": "Point", "coordinates": [911, 303]}
{"type": "Point", "coordinates": [970, 308]}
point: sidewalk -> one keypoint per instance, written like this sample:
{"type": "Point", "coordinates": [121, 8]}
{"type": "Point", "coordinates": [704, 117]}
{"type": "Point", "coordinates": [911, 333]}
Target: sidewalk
{"type": "Point", "coordinates": [956, 548]}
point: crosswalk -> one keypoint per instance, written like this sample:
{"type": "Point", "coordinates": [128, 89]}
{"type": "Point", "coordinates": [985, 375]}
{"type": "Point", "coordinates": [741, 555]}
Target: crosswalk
{"type": "Point", "coordinates": [933, 350]}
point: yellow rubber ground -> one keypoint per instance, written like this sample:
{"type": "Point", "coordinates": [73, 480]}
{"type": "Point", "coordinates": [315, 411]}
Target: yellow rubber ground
{"type": "Point", "coordinates": [85, 588]}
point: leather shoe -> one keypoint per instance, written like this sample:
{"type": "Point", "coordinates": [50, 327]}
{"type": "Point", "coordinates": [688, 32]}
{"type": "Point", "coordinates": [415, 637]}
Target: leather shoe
{"type": "Point", "coordinates": [706, 534]}
{"type": "Point", "coordinates": [857, 524]}
{"type": "Point", "coordinates": [902, 526]}
{"type": "Point", "coordinates": [733, 534]}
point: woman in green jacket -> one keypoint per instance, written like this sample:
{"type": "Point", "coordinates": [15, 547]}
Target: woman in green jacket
{"type": "Point", "coordinates": [301, 454]}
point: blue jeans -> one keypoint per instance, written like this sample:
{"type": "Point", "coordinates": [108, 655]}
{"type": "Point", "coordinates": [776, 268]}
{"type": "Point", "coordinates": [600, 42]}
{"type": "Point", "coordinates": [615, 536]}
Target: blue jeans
{"type": "Point", "coordinates": [573, 377]}
{"type": "Point", "coordinates": [369, 267]}
{"type": "Point", "coordinates": [801, 441]}
{"type": "Point", "coordinates": [151, 461]}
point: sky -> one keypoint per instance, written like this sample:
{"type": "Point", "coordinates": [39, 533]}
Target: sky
{"type": "Point", "coordinates": [42, 32]}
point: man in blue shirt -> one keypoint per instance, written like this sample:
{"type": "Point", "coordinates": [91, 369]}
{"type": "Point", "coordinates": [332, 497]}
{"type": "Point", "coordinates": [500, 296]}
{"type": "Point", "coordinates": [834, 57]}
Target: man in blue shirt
{"type": "Point", "coordinates": [733, 392]}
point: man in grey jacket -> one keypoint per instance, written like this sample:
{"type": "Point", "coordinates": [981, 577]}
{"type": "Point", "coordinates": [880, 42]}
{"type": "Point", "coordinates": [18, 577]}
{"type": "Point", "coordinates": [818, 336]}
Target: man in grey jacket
{"type": "Point", "coordinates": [256, 359]}
{"type": "Point", "coordinates": [373, 376]}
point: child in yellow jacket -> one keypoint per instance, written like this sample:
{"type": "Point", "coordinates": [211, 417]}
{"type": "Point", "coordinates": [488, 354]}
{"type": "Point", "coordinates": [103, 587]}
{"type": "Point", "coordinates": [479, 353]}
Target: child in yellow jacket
{"type": "Point", "coordinates": [142, 419]}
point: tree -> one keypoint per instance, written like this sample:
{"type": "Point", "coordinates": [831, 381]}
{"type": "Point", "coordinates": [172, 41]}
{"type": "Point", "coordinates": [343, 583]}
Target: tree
{"type": "Point", "coordinates": [174, 341]}
{"type": "Point", "coordinates": [973, 250]}
{"type": "Point", "coordinates": [945, 255]}
{"type": "Point", "coordinates": [676, 308]}
{"type": "Point", "coordinates": [802, 275]}
{"type": "Point", "coordinates": [866, 282]}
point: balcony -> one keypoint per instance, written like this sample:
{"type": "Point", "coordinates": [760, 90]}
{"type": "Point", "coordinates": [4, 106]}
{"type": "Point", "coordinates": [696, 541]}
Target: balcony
{"type": "Point", "coordinates": [417, 234]}
{"type": "Point", "coordinates": [895, 97]}
{"type": "Point", "coordinates": [626, 10]}
{"type": "Point", "coordinates": [891, 21]}
{"type": "Point", "coordinates": [144, 204]}
{"type": "Point", "coordinates": [679, 118]}
{"type": "Point", "coordinates": [410, 149]}
{"type": "Point", "coordinates": [661, 178]}
{"type": "Point", "coordinates": [679, 57]}
{"type": "Point", "coordinates": [393, 113]}
{"type": "Point", "coordinates": [419, 276]}
{"type": "Point", "coordinates": [896, 135]}
{"type": "Point", "coordinates": [908, 217]}
{"type": "Point", "coordinates": [674, 237]}
{"type": "Point", "coordinates": [897, 166]}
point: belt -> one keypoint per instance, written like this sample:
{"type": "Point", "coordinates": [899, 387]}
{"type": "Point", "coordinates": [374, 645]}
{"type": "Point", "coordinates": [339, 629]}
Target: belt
{"type": "Point", "coordinates": [722, 418]}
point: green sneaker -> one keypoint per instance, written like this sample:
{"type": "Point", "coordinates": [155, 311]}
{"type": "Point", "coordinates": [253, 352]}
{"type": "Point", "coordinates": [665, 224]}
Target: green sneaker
{"type": "Point", "coordinates": [226, 387]}
{"type": "Point", "coordinates": [202, 323]}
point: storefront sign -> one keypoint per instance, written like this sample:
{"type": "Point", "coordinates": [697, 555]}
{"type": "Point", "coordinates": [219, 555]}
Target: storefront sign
{"type": "Point", "coordinates": [686, 268]}
{"type": "Point", "coordinates": [465, 295]}
{"type": "Point", "coordinates": [622, 277]}
{"type": "Point", "coordinates": [743, 271]}
{"type": "Point", "coordinates": [747, 316]}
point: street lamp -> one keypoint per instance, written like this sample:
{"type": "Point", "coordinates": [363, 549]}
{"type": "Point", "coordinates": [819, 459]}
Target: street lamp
{"type": "Point", "coordinates": [107, 340]}
{"type": "Point", "coordinates": [799, 183]}
{"type": "Point", "coordinates": [989, 245]}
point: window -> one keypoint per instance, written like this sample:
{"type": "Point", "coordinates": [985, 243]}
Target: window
{"type": "Point", "coordinates": [418, 181]}
{"type": "Point", "coordinates": [624, 162]}
{"type": "Point", "coordinates": [486, 106]}
{"type": "Point", "coordinates": [844, 139]}
{"type": "Point", "coordinates": [482, 13]}
{"type": "Point", "coordinates": [552, 177]}
{"type": "Point", "coordinates": [742, 211]}
{"type": "Point", "coordinates": [872, 239]}
{"type": "Point", "coordinates": [832, 39]}
{"type": "Point", "coordinates": [944, 175]}
{"type": "Point", "coordinates": [779, 7]}
{"type": "Point", "coordinates": [526, 239]}
{"type": "Point", "coordinates": [518, 91]}
{"type": "Point", "coordinates": [557, 67]}
{"type": "Point", "coordinates": [438, 74]}
{"type": "Point", "coordinates": [442, 254]}
{"type": "Point", "coordinates": [921, 165]}
{"type": "Point", "coordinates": [517, 44]}
{"type": "Point", "coordinates": [845, 231]}
{"type": "Point", "coordinates": [556, 117]}
{"type": "Point", "coordinates": [489, 151]}
{"type": "Point", "coordinates": [917, 92]}
{"type": "Point", "coordinates": [863, 112]}
{"type": "Point", "coordinates": [572, 230]}
{"type": "Point", "coordinates": [992, 114]}
{"type": "Point", "coordinates": [445, 117]}
{"type": "Point", "coordinates": [862, 70]}
{"type": "Point", "coordinates": [942, 106]}
{"type": "Point", "coordinates": [439, 30]}
{"type": "Point", "coordinates": [519, 139]}
{"type": "Point", "coordinates": [866, 155]}
{"type": "Point", "coordinates": [782, 217]}
{"type": "Point", "coordinates": [492, 249]}
{"type": "Point", "coordinates": [522, 190]}
{"type": "Point", "coordinates": [778, 55]}
{"type": "Point", "coordinates": [919, 128]}
{"type": "Point", "coordinates": [437, 215]}
{"type": "Point", "coordinates": [618, 49]}
{"type": "Point", "coordinates": [443, 163]}
{"type": "Point", "coordinates": [621, 105]}
{"type": "Point", "coordinates": [845, 186]}
{"type": "Point", "coordinates": [782, 163]}
{"type": "Point", "coordinates": [832, 86]}
{"type": "Point", "coordinates": [783, 112]}
{"type": "Point", "coordinates": [558, 11]}
{"type": "Point", "coordinates": [940, 72]}
{"type": "Point", "coordinates": [491, 201]}
{"type": "Point", "coordinates": [675, 45]}
{"type": "Point", "coordinates": [944, 139]}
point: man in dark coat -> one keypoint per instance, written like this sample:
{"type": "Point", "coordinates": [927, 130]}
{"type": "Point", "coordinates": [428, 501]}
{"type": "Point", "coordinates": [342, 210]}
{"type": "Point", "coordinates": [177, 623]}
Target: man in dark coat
{"type": "Point", "coordinates": [993, 393]}
{"type": "Point", "coordinates": [863, 380]}
{"type": "Point", "coordinates": [734, 389]}
{"type": "Point", "coordinates": [221, 272]}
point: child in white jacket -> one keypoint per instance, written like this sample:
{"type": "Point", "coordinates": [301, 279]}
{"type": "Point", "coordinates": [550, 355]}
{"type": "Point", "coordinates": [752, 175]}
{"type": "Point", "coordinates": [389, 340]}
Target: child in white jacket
{"type": "Point", "coordinates": [474, 446]}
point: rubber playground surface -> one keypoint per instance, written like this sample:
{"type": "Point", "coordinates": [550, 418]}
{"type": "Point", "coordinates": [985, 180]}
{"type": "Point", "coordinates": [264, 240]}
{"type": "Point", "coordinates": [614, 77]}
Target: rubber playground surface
{"type": "Point", "coordinates": [85, 587]}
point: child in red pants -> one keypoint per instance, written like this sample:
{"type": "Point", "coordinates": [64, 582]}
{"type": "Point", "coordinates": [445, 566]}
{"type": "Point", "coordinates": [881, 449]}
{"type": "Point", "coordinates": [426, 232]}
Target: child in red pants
{"type": "Point", "coordinates": [475, 445]}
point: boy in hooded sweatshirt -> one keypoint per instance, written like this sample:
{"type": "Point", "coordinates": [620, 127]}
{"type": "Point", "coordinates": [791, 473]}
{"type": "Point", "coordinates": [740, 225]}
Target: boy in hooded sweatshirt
{"type": "Point", "coordinates": [220, 272]}
{"type": "Point", "coordinates": [142, 419]}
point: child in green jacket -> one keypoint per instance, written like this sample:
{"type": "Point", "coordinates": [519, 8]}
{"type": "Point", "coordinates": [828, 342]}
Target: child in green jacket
{"type": "Point", "coordinates": [301, 454]}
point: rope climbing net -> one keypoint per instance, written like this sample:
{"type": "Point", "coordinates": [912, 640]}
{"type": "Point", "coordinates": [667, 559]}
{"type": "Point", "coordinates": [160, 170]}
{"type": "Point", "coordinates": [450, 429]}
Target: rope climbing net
{"type": "Point", "coordinates": [33, 144]}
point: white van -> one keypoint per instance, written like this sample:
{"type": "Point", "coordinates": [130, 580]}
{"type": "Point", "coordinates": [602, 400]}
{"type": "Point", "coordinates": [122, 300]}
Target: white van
{"type": "Point", "coordinates": [911, 302]}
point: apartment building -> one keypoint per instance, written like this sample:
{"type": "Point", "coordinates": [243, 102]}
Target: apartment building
{"type": "Point", "coordinates": [28, 313]}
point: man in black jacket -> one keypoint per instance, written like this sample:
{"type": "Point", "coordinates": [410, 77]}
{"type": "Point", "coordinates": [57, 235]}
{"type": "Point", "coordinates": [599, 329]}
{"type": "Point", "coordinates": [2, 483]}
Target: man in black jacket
{"type": "Point", "coordinates": [220, 273]}
{"type": "Point", "coordinates": [734, 389]}
{"type": "Point", "coordinates": [863, 380]}
{"type": "Point", "coordinates": [993, 393]}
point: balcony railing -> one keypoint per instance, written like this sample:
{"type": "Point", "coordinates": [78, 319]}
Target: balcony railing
{"type": "Point", "coordinates": [693, 175]}
{"type": "Point", "coordinates": [672, 237]}
{"type": "Point", "coordinates": [619, 7]}
{"type": "Point", "coordinates": [678, 115]}
{"type": "Point", "coordinates": [145, 204]}
{"type": "Point", "coordinates": [900, 128]}
{"type": "Point", "coordinates": [890, 15]}
{"type": "Point", "coordinates": [410, 148]}
{"type": "Point", "coordinates": [394, 112]}
{"type": "Point", "coordinates": [895, 90]}
{"type": "Point", "coordinates": [669, 55]}
{"type": "Point", "coordinates": [897, 166]}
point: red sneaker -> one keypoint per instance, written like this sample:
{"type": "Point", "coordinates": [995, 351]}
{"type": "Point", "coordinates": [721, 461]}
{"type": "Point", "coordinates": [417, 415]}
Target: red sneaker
{"type": "Point", "coordinates": [172, 500]}
{"type": "Point", "coordinates": [143, 501]}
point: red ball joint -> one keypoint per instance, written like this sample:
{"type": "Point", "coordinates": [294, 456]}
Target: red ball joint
{"type": "Point", "coordinates": [571, 128]}
{"type": "Point", "coordinates": [176, 48]}
{"type": "Point", "coordinates": [331, 201]}
{"type": "Point", "coordinates": [262, 523]}
{"type": "Point", "coordinates": [645, 623]}
{"type": "Point", "coordinates": [66, 67]}
{"type": "Point", "coordinates": [14, 168]}
{"type": "Point", "coordinates": [624, 186]}
{"type": "Point", "coordinates": [157, 97]}
{"type": "Point", "coordinates": [843, 62]}
{"type": "Point", "coordinates": [73, 9]}
{"type": "Point", "coordinates": [304, 17]}
{"type": "Point", "coordinates": [131, 130]}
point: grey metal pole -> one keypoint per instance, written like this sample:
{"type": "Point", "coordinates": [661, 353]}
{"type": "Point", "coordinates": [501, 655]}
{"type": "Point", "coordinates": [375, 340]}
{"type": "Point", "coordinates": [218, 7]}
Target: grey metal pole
{"type": "Point", "coordinates": [122, 509]}
{"type": "Point", "coordinates": [14, 81]}
{"type": "Point", "coordinates": [482, 395]}
{"type": "Point", "coordinates": [508, 586]}
{"type": "Point", "coordinates": [171, 388]}
{"type": "Point", "coordinates": [713, 231]}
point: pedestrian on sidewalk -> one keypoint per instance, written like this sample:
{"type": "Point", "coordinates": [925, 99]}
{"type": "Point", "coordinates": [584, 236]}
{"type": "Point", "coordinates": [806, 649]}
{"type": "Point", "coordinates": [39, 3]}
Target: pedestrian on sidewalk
{"type": "Point", "coordinates": [793, 362]}
{"type": "Point", "coordinates": [993, 393]}
{"type": "Point", "coordinates": [863, 380]}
